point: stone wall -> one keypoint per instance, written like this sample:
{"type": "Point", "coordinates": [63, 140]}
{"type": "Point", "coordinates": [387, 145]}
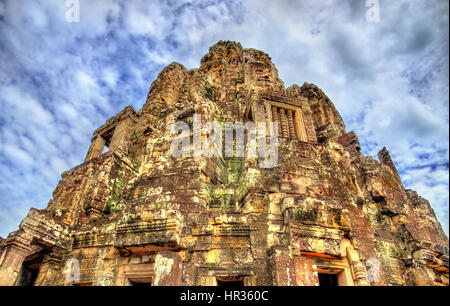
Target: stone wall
{"type": "Point", "coordinates": [134, 214]}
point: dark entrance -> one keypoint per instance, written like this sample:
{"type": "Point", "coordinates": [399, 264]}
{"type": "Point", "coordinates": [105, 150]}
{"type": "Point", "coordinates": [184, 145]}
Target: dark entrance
{"type": "Point", "coordinates": [29, 276]}
{"type": "Point", "coordinates": [328, 280]}
{"type": "Point", "coordinates": [30, 271]}
{"type": "Point", "coordinates": [230, 281]}
{"type": "Point", "coordinates": [30, 268]}
{"type": "Point", "coordinates": [141, 284]}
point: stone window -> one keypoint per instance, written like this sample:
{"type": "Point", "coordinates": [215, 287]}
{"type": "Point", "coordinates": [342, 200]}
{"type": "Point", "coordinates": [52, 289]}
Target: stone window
{"type": "Point", "coordinates": [101, 143]}
{"type": "Point", "coordinates": [138, 275]}
{"type": "Point", "coordinates": [107, 137]}
{"type": "Point", "coordinates": [289, 120]}
{"type": "Point", "coordinates": [318, 269]}
{"type": "Point", "coordinates": [333, 273]}
{"type": "Point", "coordinates": [113, 134]}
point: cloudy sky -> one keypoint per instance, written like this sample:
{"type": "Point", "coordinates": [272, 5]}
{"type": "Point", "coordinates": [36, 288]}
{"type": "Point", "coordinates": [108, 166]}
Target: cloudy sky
{"type": "Point", "coordinates": [59, 80]}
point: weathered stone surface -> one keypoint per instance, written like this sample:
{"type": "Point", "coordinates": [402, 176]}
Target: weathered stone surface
{"type": "Point", "coordinates": [326, 214]}
{"type": "Point", "coordinates": [167, 269]}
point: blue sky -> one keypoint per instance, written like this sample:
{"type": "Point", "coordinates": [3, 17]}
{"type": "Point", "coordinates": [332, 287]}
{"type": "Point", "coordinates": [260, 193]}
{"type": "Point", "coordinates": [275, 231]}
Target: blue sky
{"type": "Point", "coordinates": [59, 81]}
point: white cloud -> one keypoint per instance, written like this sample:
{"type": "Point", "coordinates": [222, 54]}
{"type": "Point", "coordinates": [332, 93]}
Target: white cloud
{"type": "Point", "coordinates": [17, 156]}
{"type": "Point", "coordinates": [111, 77]}
{"type": "Point", "coordinates": [59, 81]}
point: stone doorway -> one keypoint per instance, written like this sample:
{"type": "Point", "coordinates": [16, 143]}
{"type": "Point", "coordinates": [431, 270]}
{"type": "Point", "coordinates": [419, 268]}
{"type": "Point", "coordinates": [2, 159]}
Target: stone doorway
{"type": "Point", "coordinates": [140, 283]}
{"type": "Point", "coordinates": [30, 270]}
{"type": "Point", "coordinates": [236, 281]}
{"type": "Point", "coordinates": [328, 280]}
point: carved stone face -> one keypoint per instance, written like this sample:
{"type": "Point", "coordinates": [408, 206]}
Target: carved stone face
{"type": "Point", "coordinates": [259, 73]}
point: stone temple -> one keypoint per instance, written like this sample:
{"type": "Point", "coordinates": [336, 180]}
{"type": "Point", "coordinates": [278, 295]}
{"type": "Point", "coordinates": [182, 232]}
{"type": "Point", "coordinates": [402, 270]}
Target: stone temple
{"type": "Point", "coordinates": [132, 214]}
